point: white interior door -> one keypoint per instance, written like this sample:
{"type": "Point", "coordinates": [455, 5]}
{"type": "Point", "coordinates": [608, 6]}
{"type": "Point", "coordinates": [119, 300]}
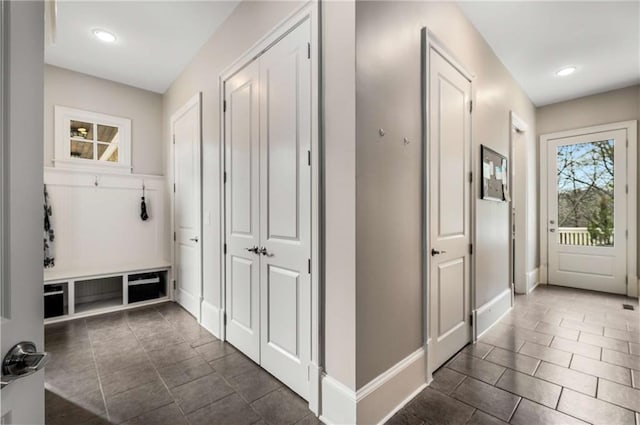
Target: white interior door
{"type": "Point", "coordinates": [587, 211]}
{"type": "Point", "coordinates": [285, 209]}
{"type": "Point", "coordinates": [187, 207]}
{"type": "Point", "coordinates": [21, 255]}
{"type": "Point", "coordinates": [449, 209]}
{"type": "Point", "coordinates": [242, 198]}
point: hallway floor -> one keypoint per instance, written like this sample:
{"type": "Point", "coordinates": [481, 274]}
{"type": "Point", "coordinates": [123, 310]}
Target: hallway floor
{"type": "Point", "coordinates": [561, 356]}
{"type": "Point", "coordinates": [157, 366]}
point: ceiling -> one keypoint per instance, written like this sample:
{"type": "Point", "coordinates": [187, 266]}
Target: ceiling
{"type": "Point", "coordinates": [155, 39]}
{"type": "Point", "coordinates": [534, 39]}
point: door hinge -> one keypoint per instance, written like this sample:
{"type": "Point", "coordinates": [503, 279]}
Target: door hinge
{"type": "Point", "coordinates": [174, 139]}
{"type": "Point", "coordinates": [174, 284]}
{"type": "Point", "coordinates": [308, 50]}
{"type": "Point", "coordinates": [309, 265]}
{"type": "Point", "coordinates": [174, 188]}
{"type": "Point", "coordinates": [470, 106]}
{"type": "Point", "coordinates": [224, 318]}
{"type": "Point", "coordinates": [471, 320]}
{"type": "Point", "coordinates": [224, 177]}
{"type": "Point", "coordinates": [225, 249]}
{"type": "Point", "coordinates": [470, 176]}
{"type": "Point", "coordinates": [626, 234]}
{"type": "Point", "coordinates": [626, 280]}
{"type": "Point", "coordinates": [470, 249]}
{"type": "Point", "coordinates": [626, 188]}
{"type": "Point", "coordinates": [224, 106]}
{"type": "Point", "coordinates": [174, 236]}
{"type": "Point", "coordinates": [309, 158]}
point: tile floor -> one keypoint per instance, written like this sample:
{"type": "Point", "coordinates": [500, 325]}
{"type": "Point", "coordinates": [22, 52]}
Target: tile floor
{"type": "Point", "coordinates": [561, 356]}
{"type": "Point", "coordinates": [157, 366]}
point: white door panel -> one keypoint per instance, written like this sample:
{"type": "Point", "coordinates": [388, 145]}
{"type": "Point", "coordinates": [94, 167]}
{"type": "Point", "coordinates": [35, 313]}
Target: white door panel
{"type": "Point", "coordinates": [285, 204]}
{"type": "Point", "coordinates": [587, 211]}
{"type": "Point", "coordinates": [268, 205]}
{"type": "Point", "coordinates": [449, 209]}
{"type": "Point", "coordinates": [242, 194]}
{"type": "Point", "coordinates": [187, 207]}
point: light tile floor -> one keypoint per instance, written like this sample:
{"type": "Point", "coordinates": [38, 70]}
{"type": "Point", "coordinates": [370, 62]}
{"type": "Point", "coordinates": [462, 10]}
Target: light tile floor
{"type": "Point", "coordinates": [561, 356]}
{"type": "Point", "coordinates": [157, 366]}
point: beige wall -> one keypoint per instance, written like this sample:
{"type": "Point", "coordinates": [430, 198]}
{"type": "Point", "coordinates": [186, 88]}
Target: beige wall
{"type": "Point", "coordinates": [604, 108]}
{"type": "Point", "coordinates": [246, 25]}
{"type": "Point", "coordinates": [388, 220]}
{"type": "Point", "coordinates": [613, 106]}
{"type": "Point", "coordinates": [81, 91]}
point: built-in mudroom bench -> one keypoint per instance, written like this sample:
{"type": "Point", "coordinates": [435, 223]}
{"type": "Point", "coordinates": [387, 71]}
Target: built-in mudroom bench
{"type": "Point", "coordinates": [107, 258]}
{"type": "Point", "coordinates": [81, 294]}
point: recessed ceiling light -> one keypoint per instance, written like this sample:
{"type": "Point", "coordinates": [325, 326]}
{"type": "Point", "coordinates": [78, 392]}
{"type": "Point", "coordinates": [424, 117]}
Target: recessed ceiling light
{"type": "Point", "coordinates": [566, 71]}
{"type": "Point", "coordinates": [105, 36]}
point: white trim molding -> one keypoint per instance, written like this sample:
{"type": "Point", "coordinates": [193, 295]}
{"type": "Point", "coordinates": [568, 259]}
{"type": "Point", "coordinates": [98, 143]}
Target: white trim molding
{"type": "Point", "coordinates": [631, 128]}
{"type": "Point", "coordinates": [491, 312]}
{"type": "Point", "coordinates": [533, 279]}
{"type": "Point", "coordinates": [380, 399]}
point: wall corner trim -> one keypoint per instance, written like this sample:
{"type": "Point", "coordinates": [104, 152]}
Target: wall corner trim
{"type": "Point", "coordinates": [533, 279]}
{"type": "Point", "coordinates": [378, 400]}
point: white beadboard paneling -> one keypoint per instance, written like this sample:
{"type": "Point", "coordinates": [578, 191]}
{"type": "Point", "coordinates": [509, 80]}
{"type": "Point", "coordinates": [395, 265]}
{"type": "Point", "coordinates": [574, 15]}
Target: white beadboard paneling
{"type": "Point", "coordinates": [96, 219]}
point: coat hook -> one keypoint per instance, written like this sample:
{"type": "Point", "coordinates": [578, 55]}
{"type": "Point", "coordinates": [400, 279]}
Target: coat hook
{"type": "Point", "coordinates": [95, 183]}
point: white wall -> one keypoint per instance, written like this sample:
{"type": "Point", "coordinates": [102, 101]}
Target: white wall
{"type": "Point", "coordinates": [81, 91]}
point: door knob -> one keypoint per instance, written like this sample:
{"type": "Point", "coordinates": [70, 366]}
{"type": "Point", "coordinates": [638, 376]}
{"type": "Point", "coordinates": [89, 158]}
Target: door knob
{"type": "Point", "coordinates": [195, 239]}
{"type": "Point", "coordinates": [552, 230]}
{"type": "Point", "coordinates": [264, 251]}
{"type": "Point", "coordinates": [435, 252]}
{"type": "Point", "coordinates": [22, 360]}
{"type": "Point", "coordinates": [252, 249]}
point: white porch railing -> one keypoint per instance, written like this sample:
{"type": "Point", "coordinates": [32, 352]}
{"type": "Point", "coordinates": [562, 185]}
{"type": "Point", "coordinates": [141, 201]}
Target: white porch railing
{"type": "Point", "coordinates": [581, 236]}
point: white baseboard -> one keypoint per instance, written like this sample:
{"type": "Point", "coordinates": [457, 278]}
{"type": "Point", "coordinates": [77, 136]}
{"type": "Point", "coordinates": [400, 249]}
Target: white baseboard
{"type": "Point", "coordinates": [338, 404]}
{"type": "Point", "coordinates": [210, 319]}
{"type": "Point", "coordinates": [633, 290]}
{"type": "Point", "coordinates": [378, 400]}
{"type": "Point", "coordinates": [533, 279]}
{"type": "Point", "coordinates": [491, 312]}
{"type": "Point", "coordinates": [381, 398]}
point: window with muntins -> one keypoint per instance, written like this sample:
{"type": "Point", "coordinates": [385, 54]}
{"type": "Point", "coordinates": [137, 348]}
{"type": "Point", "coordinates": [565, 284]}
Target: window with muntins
{"type": "Point", "coordinates": [89, 140]}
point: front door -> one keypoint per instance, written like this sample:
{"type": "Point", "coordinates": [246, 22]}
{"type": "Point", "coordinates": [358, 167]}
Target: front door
{"type": "Point", "coordinates": [587, 211]}
{"type": "Point", "coordinates": [268, 209]}
{"type": "Point", "coordinates": [449, 209]}
{"type": "Point", "coordinates": [21, 211]}
{"type": "Point", "coordinates": [187, 216]}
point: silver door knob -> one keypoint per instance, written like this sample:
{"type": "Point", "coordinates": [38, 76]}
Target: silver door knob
{"type": "Point", "coordinates": [22, 360]}
{"type": "Point", "coordinates": [435, 252]}
{"type": "Point", "coordinates": [552, 230]}
{"type": "Point", "coordinates": [195, 239]}
{"type": "Point", "coordinates": [264, 251]}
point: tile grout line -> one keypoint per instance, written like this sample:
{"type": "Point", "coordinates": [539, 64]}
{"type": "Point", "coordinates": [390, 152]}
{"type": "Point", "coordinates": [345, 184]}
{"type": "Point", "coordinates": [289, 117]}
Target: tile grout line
{"type": "Point", "coordinates": [95, 362]}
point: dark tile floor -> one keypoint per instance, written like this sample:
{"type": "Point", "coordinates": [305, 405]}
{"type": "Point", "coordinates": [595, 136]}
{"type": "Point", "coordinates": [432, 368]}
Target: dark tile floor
{"type": "Point", "coordinates": [561, 356]}
{"type": "Point", "coordinates": [157, 366]}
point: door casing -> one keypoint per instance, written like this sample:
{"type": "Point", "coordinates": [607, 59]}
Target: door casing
{"type": "Point", "coordinates": [194, 101]}
{"type": "Point", "coordinates": [518, 258]}
{"type": "Point", "coordinates": [631, 128]}
{"type": "Point", "coordinates": [430, 41]}
{"type": "Point", "coordinates": [310, 11]}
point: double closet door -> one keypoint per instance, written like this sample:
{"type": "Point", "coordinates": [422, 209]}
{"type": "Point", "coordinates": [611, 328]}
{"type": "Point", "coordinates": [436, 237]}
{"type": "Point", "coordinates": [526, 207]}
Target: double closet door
{"type": "Point", "coordinates": [268, 209]}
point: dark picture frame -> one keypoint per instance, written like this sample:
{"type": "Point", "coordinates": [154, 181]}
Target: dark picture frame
{"type": "Point", "coordinates": [494, 170]}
